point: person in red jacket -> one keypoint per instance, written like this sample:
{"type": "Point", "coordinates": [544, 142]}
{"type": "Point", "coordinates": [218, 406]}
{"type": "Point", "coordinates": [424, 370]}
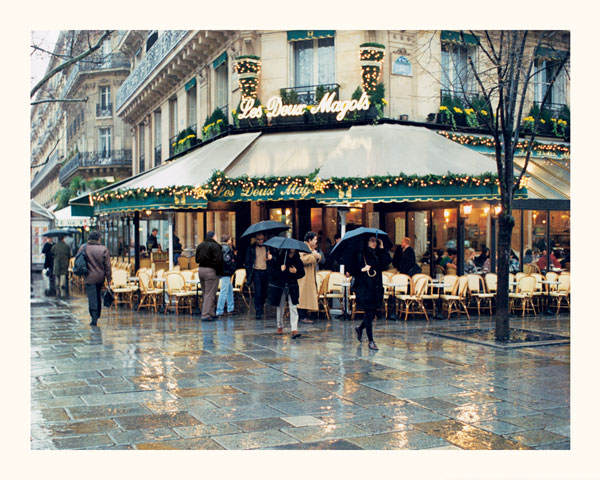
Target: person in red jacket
{"type": "Point", "coordinates": [98, 262]}
{"type": "Point", "coordinates": [542, 262]}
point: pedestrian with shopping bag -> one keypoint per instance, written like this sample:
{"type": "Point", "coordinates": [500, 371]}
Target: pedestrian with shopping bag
{"type": "Point", "coordinates": [229, 266]}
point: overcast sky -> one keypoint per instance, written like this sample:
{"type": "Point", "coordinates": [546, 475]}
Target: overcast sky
{"type": "Point", "coordinates": [45, 39]}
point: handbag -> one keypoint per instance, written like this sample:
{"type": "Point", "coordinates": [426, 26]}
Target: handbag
{"type": "Point", "coordinates": [109, 297]}
{"type": "Point", "coordinates": [414, 270]}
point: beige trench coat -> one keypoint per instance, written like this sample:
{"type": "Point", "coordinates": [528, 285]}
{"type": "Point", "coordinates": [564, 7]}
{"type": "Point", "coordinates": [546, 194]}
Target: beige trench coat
{"type": "Point", "coordinates": [308, 284]}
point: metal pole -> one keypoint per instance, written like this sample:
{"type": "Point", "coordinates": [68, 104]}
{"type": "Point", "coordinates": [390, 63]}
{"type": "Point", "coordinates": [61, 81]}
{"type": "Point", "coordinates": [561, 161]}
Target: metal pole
{"type": "Point", "coordinates": [460, 243]}
{"type": "Point", "coordinates": [136, 239]}
{"type": "Point", "coordinates": [171, 214]}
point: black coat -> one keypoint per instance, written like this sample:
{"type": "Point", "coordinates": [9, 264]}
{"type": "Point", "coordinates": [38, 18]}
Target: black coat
{"type": "Point", "coordinates": [279, 280]}
{"type": "Point", "coordinates": [407, 261]}
{"type": "Point", "coordinates": [49, 258]}
{"type": "Point", "coordinates": [369, 290]}
{"type": "Point", "coordinates": [210, 255]}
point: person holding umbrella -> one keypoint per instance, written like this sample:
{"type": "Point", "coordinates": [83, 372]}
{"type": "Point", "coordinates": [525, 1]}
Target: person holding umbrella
{"type": "Point", "coordinates": [285, 268]}
{"type": "Point", "coordinates": [61, 254]}
{"type": "Point", "coordinates": [365, 264]}
{"type": "Point", "coordinates": [257, 256]}
{"type": "Point", "coordinates": [309, 299]}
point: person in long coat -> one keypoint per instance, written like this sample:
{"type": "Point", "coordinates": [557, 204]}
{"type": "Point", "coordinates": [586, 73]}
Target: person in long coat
{"type": "Point", "coordinates": [284, 272]}
{"type": "Point", "coordinates": [61, 254]}
{"type": "Point", "coordinates": [309, 299]}
{"type": "Point", "coordinates": [368, 283]}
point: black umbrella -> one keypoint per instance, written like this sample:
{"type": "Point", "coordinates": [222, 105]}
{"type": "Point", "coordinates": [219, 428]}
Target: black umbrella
{"type": "Point", "coordinates": [284, 243]}
{"type": "Point", "coordinates": [354, 240]}
{"type": "Point", "coordinates": [60, 232]}
{"type": "Point", "coordinates": [268, 227]}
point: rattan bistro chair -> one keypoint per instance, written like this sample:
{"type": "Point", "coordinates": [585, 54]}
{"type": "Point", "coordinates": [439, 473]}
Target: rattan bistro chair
{"type": "Point", "coordinates": [178, 293]}
{"type": "Point", "coordinates": [478, 293]}
{"type": "Point", "coordinates": [523, 296]}
{"type": "Point", "coordinates": [148, 293]}
{"type": "Point", "coordinates": [562, 292]}
{"type": "Point", "coordinates": [239, 285]}
{"type": "Point", "coordinates": [455, 301]}
{"type": "Point", "coordinates": [120, 287]}
{"type": "Point", "coordinates": [413, 302]}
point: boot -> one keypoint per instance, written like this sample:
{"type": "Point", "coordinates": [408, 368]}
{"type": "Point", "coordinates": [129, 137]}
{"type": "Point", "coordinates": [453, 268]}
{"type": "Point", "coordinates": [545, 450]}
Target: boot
{"type": "Point", "coordinates": [295, 334]}
{"type": "Point", "coordinates": [279, 330]}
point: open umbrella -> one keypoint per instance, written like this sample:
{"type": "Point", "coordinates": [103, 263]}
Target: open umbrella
{"type": "Point", "coordinates": [284, 243]}
{"type": "Point", "coordinates": [267, 227]}
{"type": "Point", "coordinates": [355, 239]}
{"type": "Point", "coordinates": [60, 232]}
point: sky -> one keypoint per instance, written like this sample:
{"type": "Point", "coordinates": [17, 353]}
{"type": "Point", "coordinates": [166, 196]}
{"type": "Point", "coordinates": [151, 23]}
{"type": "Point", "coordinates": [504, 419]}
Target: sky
{"type": "Point", "coordinates": [45, 39]}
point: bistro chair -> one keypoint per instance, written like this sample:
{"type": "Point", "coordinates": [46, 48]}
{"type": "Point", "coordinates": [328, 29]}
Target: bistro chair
{"type": "Point", "coordinates": [148, 294]}
{"type": "Point", "coordinates": [188, 276]}
{"type": "Point", "coordinates": [177, 292]}
{"type": "Point", "coordinates": [455, 301]}
{"type": "Point", "coordinates": [121, 288]}
{"type": "Point", "coordinates": [413, 302]}
{"type": "Point", "coordinates": [428, 294]}
{"type": "Point", "coordinates": [478, 293]}
{"type": "Point", "coordinates": [239, 284]}
{"type": "Point", "coordinates": [562, 292]}
{"type": "Point", "coordinates": [523, 295]}
{"type": "Point", "coordinates": [491, 282]}
{"type": "Point", "coordinates": [552, 277]}
{"type": "Point", "coordinates": [539, 291]}
{"type": "Point", "coordinates": [322, 278]}
{"type": "Point", "coordinates": [401, 286]}
{"type": "Point", "coordinates": [335, 291]}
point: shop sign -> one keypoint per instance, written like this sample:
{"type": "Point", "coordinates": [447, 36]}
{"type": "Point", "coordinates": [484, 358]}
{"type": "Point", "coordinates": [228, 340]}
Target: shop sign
{"type": "Point", "coordinates": [328, 104]}
{"type": "Point", "coordinates": [293, 192]}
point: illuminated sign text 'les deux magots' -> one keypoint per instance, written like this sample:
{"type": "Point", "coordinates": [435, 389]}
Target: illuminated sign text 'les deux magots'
{"type": "Point", "coordinates": [275, 107]}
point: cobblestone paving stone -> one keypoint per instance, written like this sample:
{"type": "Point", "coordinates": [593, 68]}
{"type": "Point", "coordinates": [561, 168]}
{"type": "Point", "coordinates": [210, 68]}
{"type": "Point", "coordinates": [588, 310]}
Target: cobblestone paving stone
{"type": "Point", "coordinates": [153, 381]}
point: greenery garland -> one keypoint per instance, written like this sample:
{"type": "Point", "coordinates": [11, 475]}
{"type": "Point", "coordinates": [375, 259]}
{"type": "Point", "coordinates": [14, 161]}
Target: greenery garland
{"type": "Point", "coordinates": [476, 141]}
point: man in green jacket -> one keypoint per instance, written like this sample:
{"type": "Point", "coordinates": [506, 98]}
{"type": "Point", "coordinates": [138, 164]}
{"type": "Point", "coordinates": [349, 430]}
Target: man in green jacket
{"type": "Point", "coordinates": [61, 253]}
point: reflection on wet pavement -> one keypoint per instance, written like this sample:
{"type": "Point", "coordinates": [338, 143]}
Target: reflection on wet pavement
{"type": "Point", "coordinates": [152, 381]}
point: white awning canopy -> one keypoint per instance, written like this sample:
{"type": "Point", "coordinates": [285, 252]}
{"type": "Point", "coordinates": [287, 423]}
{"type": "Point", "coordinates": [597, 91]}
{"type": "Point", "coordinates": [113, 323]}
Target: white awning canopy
{"type": "Point", "coordinates": [65, 219]}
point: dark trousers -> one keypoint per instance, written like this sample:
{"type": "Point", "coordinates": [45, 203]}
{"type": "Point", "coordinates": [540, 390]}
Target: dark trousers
{"type": "Point", "coordinates": [367, 324]}
{"type": "Point", "coordinates": [94, 300]}
{"type": "Point", "coordinates": [210, 284]}
{"type": "Point", "coordinates": [259, 277]}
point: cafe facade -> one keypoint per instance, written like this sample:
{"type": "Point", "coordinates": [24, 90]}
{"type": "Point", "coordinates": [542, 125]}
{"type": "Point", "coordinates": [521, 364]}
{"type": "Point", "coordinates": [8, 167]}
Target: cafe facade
{"type": "Point", "coordinates": [323, 157]}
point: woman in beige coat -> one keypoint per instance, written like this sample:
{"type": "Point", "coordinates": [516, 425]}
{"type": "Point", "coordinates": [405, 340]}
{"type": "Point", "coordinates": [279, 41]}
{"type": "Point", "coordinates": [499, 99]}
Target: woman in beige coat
{"type": "Point", "coordinates": [308, 284]}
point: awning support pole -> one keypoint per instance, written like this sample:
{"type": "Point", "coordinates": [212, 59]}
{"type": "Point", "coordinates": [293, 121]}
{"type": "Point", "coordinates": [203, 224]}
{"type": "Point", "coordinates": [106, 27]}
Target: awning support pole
{"type": "Point", "coordinates": [342, 212]}
{"type": "Point", "coordinates": [136, 240]}
{"type": "Point", "coordinates": [171, 214]}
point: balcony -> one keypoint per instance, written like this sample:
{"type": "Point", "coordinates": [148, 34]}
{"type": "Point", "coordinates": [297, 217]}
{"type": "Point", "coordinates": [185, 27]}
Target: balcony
{"type": "Point", "coordinates": [103, 110]}
{"type": "Point", "coordinates": [555, 108]}
{"type": "Point", "coordinates": [463, 97]}
{"type": "Point", "coordinates": [309, 95]}
{"type": "Point", "coordinates": [175, 147]}
{"type": "Point", "coordinates": [114, 158]}
{"type": "Point", "coordinates": [94, 63]}
{"type": "Point", "coordinates": [165, 44]}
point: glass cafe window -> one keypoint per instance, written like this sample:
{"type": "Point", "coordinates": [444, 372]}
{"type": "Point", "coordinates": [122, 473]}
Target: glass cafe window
{"type": "Point", "coordinates": [314, 62]}
{"type": "Point", "coordinates": [418, 226]}
{"type": "Point", "coordinates": [477, 228]}
{"type": "Point", "coordinates": [284, 215]}
{"type": "Point", "coordinates": [444, 228]}
{"type": "Point", "coordinates": [221, 222]}
{"type": "Point", "coordinates": [534, 231]}
{"type": "Point", "coordinates": [560, 235]}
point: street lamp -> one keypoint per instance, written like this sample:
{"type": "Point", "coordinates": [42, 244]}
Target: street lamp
{"type": "Point", "coordinates": [465, 210]}
{"type": "Point", "coordinates": [497, 210]}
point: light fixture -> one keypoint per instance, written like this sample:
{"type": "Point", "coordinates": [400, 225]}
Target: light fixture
{"type": "Point", "coordinates": [288, 211]}
{"type": "Point", "coordinates": [148, 212]}
{"type": "Point", "coordinates": [465, 210]}
{"type": "Point", "coordinates": [497, 211]}
{"type": "Point", "coordinates": [486, 210]}
{"type": "Point", "coordinates": [524, 181]}
{"type": "Point", "coordinates": [279, 211]}
{"type": "Point", "coordinates": [446, 213]}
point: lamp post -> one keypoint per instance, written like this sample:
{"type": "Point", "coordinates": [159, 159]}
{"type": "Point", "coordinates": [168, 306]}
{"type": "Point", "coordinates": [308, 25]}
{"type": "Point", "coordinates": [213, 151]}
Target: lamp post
{"type": "Point", "coordinates": [495, 211]}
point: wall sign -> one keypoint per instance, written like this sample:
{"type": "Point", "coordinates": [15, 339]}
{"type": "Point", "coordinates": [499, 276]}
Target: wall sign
{"type": "Point", "coordinates": [402, 66]}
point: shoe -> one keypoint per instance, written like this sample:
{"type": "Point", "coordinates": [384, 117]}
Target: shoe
{"type": "Point", "coordinates": [214, 317]}
{"type": "Point", "coordinates": [93, 323]}
{"type": "Point", "coordinates": [295, 334]}
{"type": "Point", "coordinates": [372, 346]}
{"type": "Point", "coordinates": [207, 319]}
{"type": "Point", "coordinates": [279, 330]}
{"type": "Point", "coordinates": [219, 314]}
{"type": "Point", "coordinates": [230, 312]}
{"type": "Point", "coordinates": [358, 334]}
{"type": "Point", "coordinates": [306, 320]}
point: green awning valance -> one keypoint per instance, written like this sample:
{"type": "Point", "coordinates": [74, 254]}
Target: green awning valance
{"type": "Point", "coordinates": [220, 60]}
{"type": "Point", "coordinates": [296, 35]}
{"type": "Point", "coordinates": [551, 53]}
{"type": "Point", "coordinates": [457, 37]}
{"type": "Point", "coordinates": [151, 202]}
{"type": "Point", "coordinates": [191, 84]}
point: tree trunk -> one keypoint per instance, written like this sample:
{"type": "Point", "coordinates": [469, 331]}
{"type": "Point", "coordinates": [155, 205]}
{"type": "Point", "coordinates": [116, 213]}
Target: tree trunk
{"type": "Point", "coordinates": [502, 317]}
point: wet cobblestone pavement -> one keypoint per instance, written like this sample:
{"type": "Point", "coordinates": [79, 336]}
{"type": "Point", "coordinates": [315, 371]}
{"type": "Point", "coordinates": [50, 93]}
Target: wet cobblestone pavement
{"type": "Point", "coordinates": [152, 381]}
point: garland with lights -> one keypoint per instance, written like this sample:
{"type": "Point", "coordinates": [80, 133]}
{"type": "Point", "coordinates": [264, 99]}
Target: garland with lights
{"type": "Point", "coordinates": [371, 61]}
{"type": "Point", "coordinates": [248, 70]}
{"type": "Point", "coordinates": [317, 185]}
{"type": "Point", "coordinates": [476, 141]}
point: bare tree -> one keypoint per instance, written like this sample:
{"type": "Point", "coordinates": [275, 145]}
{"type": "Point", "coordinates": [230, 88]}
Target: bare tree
{"type": "Point", "coordinates": [74, 48]}
{"type": "Point", "coordinates": [502, 70]}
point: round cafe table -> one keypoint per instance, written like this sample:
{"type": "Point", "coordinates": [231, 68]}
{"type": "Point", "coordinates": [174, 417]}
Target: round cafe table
{"type": "Point", "coordinates": [345, 314]}
{"type": "Point", "coordinates": [195, 282]}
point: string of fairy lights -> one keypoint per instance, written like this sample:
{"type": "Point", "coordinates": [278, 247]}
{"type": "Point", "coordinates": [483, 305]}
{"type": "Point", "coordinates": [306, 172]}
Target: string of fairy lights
{"type": "Point", "coordinates": [248, 70]}
{"type": "Point", "coordinates": [371, 58]}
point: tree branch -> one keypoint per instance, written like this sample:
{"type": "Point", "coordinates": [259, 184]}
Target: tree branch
{"type": "Point", "coordinates": [48, 100]}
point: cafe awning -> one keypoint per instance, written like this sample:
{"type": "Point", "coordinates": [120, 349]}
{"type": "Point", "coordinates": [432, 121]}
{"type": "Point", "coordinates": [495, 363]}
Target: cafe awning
{"type": "Point", "coordinates": [192, 169]}
{"type": "Point", "coordinates": [40, 211]}
{"type": "Point", "coordinates": [65, 218]}
{"type": "Point", "coordinates": [549, 178]}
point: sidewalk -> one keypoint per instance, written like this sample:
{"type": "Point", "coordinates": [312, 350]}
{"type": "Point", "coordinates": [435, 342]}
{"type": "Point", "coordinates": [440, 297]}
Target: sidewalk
{"type": "Point", "coordinates": [147, 381]}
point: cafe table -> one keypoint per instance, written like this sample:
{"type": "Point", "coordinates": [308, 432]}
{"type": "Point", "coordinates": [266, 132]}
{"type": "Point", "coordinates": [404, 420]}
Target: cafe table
{"type": "Point", "coordinates": [346, 284]}
{"type": "Point", "coordinates": [195, 282]}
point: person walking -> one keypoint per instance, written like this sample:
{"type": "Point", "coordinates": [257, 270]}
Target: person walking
{"type": "Point", "coordinates": [368, 284]}
{"type": "Point", "coordinates": [61, 254]}
{"type": "Point", "coordinates": [99, 269]}
{"type": "Point", "coordinates": [256, 271]}
{"type": "Point", "coordinates": [49, 265]}
{"type": "Point", "coordinates": [209, 257]}
{"type": "Point", "coordinates": [284, 271]}
{"type": "Point", "coordinates": [309, 300]}
{"type": "Point", "coordinates": [229, 266]}
{"type": "Point", "coordinates": [177, 249]}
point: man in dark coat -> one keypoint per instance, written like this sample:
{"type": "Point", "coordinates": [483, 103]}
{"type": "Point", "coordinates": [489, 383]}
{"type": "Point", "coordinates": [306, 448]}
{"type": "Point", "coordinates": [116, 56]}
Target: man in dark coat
{"type": "Point", "coordinates": [49, 265]}
{"type": "Point", "coordinates": [99, 269]}
{"type": "Point", "coordinates": [152, 240]}
{"type": "Point", "coordinates": [368, 283]}
{"type": "Point", "coordinates": [209, 257]}
{"type": "Point", "coordinates": [256, 271]}
{"type": "Point", "coordinates": [284, 272]}
{"type": "Point", "coordinates": [61, 254]}
{"type": "Point", "coordinates": [408, 262]}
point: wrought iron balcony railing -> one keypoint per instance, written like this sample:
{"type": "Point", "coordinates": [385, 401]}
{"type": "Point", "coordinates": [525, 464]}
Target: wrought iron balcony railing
{"type": "Point", "coordinates": [463, 97]}
{"type": "Point", "coordinates": [555, 108]}
{"type": "Point", "coordinates": [95, 63]}
{"type": "Point", "coordinates": [166, 42]}
{"type": "Point", "coordinates": [95, 159]}
{"type": "Point", "coordinates": [103, 110]}
{"type": "Point", "coordinates": [307, 94]}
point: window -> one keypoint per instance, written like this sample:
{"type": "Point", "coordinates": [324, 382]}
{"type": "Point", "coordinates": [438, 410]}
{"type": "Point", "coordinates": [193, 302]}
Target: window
{"type": "Point", "coordinates": [545, 70]}
{"type": "Point", "coordinates": [141, 148]}
{"type": "Point", "coordinates": [314, 62]}
{"type": "Point", "coordinates": [104, 108]}
{"type": "Point", "coordinates": [157, 138]}
{"type": "Point", "coordinates": [222, 87]}
{"type": "Point", "coordinates": [105, 143]}
{"type": "Point", "coordinates": [457, 73]}
{"type": "Point", "coordinates": [191, 106]}
{"type": "Point", "coordinates": [173, 118]}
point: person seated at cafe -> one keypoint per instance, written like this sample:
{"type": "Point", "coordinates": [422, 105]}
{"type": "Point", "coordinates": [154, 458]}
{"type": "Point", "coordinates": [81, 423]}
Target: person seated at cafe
{"type": "Point", "coordinates": [513, 262]}
{"type": "Point", "coordinates": [480, 259]}
{"type": "Point", "coordinates": [143, 252]}
{"type": "Point", "coordinates": [542, 262]}
{"type": "Point", "coordinates": [469, 263]}
{"type": "Point", "coordinates": [451, 262]}
{"type": "Point", "coordinates": [528, 257]}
